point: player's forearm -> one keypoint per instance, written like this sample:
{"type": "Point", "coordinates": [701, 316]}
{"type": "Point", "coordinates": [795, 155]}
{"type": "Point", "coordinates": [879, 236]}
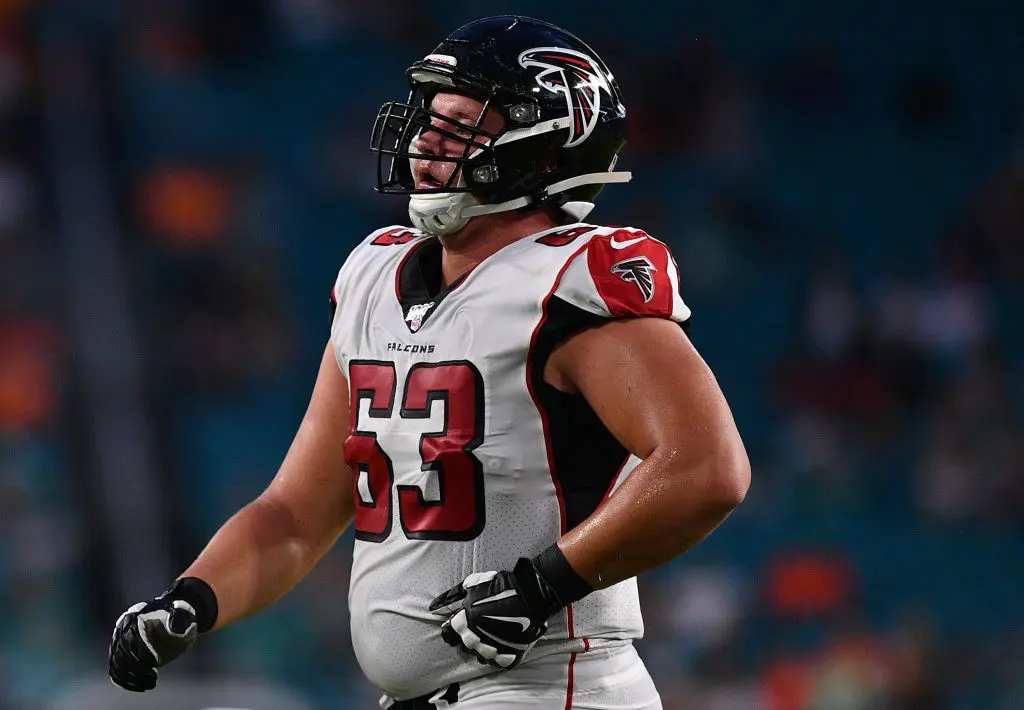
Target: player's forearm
{"type": "Point", "coordinates": [664, 508]}
{"type": "Point", "coordinates": [256, 558]}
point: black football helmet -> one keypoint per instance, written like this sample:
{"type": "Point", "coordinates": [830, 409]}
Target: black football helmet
{"type": "Point", "coordinates": [564, 124]}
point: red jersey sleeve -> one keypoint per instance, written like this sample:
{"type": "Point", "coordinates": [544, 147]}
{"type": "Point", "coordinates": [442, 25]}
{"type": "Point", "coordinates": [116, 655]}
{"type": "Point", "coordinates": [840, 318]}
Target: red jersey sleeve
{"type": "Point", "coordinates": [624, 273]}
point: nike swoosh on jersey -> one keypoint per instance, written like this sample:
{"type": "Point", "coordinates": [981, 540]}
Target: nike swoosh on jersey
{"type": "Point", "coordinates": [496, 597]}
{"type": "Point", "coordinates": [623, 245]}
{"type": "Point", "coordinates": [521, 620]}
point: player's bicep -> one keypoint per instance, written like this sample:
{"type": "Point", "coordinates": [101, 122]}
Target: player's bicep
{"type": "Point", "coordinates": [650, 388]}
{"type": "Point", "coordinates": [314, 482]}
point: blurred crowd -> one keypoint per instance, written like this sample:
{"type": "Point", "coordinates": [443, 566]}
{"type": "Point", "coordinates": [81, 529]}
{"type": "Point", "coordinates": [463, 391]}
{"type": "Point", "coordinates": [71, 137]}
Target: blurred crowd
{"type": "Point", "coordinates": [848, 215]}
{"type": "Point", "coordinates": [46, 629]}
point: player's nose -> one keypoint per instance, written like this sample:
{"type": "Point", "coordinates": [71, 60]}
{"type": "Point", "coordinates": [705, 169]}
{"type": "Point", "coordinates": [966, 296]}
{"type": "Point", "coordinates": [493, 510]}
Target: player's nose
{"type": "Point", "coordinates": [429, 141]}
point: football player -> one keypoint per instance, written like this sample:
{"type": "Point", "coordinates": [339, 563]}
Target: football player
{"type": "Point", "coordinates": [509, 410]}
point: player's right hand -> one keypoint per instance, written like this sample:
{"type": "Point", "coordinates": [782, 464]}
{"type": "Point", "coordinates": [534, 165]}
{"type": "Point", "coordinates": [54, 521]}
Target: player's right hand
{"type": "Point", "coordinates": [149, 635]}
{"type": "Point", "coordinates": [497, 616]}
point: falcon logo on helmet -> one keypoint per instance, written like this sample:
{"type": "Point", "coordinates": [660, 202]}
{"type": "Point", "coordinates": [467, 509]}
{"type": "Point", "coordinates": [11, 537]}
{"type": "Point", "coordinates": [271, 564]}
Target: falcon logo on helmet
{"type": "Point", "coordinates": [638, 270]}
{"type": "Point", "coordinates": [578, 78]}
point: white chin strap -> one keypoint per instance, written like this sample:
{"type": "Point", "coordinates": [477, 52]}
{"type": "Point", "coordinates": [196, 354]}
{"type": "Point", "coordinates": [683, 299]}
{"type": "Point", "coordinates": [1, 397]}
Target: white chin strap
{"type": "Point", "coordinates": [445, 213]}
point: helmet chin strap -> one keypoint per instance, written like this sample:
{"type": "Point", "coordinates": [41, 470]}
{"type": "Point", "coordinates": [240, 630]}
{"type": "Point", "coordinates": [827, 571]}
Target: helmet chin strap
{"type": "Point", "coordinates": [441, 213]}
{"type": "Point", "coordinates": [445, 213]}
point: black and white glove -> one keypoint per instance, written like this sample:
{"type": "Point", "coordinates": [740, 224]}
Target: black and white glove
{"type": "Point", "coordinates": [152, 634]}
{"type": "Point", "coordinates": [498, 616]}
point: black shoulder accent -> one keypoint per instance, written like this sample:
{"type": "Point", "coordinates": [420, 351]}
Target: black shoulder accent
{"type": "Point", "coordinates": [586, 456]}
{"type": "Point", "coordinates": [562, 321]}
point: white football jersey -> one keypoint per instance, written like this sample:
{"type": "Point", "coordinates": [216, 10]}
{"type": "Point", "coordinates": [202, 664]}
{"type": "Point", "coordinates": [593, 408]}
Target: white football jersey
{"type": "Point", "coordinates": [464, 458]}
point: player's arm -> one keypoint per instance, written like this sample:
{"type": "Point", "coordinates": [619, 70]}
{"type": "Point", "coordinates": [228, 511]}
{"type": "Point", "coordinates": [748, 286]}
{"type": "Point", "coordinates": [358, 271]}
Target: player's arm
{"type": "Point", "coordinates": [260, 553]}
{"type": "Point", "coordinates": [658, 397]}
{"type": "Point", "coordinates": [270, 545]}
{"type": "Point", "coordinates": [614, 338]}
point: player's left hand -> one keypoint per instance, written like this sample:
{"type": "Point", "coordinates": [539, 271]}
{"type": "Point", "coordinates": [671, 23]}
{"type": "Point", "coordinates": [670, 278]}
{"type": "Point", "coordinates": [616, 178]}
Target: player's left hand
{"type": "Point", "coordinates": [147, 636]}
{"type": "Point", "coordinates": [498, 616]}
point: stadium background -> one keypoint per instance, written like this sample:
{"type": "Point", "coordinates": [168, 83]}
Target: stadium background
{"type": "Point", "coordinates": [843, 186]}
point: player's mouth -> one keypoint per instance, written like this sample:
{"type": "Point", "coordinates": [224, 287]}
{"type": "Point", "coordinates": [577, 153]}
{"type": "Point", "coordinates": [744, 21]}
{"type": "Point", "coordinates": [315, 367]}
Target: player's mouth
{"type": "Point", "coordinates": [428, 180]}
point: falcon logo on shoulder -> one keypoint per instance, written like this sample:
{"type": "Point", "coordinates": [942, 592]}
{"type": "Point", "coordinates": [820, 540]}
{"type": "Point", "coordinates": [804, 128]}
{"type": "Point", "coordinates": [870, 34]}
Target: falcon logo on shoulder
{"type": "Point", "coordinates": [576, 76]}
{"type": "Point", "coordinates": [638, 270]}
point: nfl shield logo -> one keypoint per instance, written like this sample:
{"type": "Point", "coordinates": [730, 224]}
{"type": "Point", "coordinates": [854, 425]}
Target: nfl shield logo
{"type": "Point", "coordinates": [416, 315]}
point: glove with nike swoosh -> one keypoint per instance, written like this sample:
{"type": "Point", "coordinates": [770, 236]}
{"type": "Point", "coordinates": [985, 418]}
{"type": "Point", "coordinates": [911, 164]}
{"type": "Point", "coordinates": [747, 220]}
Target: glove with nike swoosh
{"type": "Point", "coordinates": [498, 616]}
{"type": "Point", "coordinates": [151, 634]}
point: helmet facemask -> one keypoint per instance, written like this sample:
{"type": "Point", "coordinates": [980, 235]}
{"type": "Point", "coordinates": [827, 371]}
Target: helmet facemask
{"type": "Point", "coordinates": [442, 208]}
{"type": "Point", "coordinates": [396, 130]}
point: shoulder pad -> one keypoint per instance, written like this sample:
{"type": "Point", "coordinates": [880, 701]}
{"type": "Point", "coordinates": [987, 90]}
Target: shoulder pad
{"type": "Point", "coordinates": [623, 272]}
{"type": "Point", "coordinates": [391, 236]}
{"type": "Point", "coordinates": [361, 258]}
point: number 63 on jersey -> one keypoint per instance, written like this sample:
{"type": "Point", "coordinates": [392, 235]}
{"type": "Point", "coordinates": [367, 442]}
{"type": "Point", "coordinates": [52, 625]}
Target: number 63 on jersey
{"type": "Point", "coordinates": [455, 388]}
